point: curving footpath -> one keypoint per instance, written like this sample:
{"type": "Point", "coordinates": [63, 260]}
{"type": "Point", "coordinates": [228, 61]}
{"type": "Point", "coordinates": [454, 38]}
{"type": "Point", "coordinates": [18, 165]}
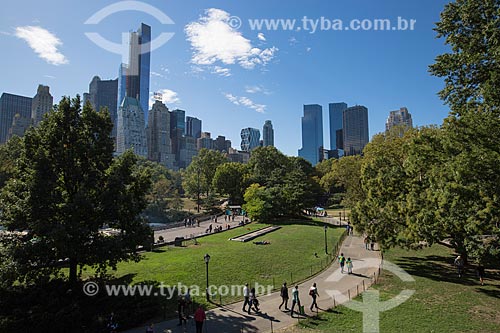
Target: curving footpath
{"type": "Point", "coordinates": [333, 288]}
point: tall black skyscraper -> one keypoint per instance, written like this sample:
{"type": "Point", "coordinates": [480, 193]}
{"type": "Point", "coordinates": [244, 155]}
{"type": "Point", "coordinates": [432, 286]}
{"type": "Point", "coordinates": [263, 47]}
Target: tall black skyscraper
{"type": "Point", "coordinates": [10, 105]}
{"type": "Point", "coordinates": [355, 128]}
{"type": "Point", "coordinates": [103, 94]}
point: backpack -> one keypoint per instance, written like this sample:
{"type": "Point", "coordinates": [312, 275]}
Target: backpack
{"type": "Point", "coordinates": [312, 292]}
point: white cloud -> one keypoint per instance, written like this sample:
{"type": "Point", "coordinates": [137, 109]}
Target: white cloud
{"type": "Point", "coordinates": [245, 101]}
{"type": "Point", "coordinates": [221, 71]}
{"type": "Point", "coordinates": [292, 41]}
{"type": "Point", "coordinates": [214, 40]}
{"type": "Point", "coordinates": [49, 76]}
{"type": "Point", "coordinates": [261, 36]}
{"type": "Point", "coordinates": [5, 33]}
{"type": "Point", "coordinates": [153, 73]}
{"type": "Point", "coordinates": [168, 97]}
{"type": "Point", "coordinates": [308, 49]}
{"type": "Point", "coordinates": [43, 42]}
{"type": "Point", "coordinates": [257, 89]}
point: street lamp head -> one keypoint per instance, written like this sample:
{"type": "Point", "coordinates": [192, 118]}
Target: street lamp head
{"type": "Point", "coordinates": [326, 228]}
{"type": "Point", "coordinates": [207, 258]}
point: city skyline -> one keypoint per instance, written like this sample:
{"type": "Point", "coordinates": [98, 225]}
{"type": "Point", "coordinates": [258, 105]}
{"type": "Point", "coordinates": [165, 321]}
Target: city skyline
{"type": "Point", "coordinates": [226, 93]}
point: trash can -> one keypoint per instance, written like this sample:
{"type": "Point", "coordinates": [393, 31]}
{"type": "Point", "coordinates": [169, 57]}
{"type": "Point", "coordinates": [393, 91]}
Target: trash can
{"type": "Point", "coordinates": [178, 241]}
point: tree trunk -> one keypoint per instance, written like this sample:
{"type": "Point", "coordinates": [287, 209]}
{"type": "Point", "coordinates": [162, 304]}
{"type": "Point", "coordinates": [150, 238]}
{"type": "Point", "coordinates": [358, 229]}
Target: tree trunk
{"type": "Point", "coordinates": [73, 265]}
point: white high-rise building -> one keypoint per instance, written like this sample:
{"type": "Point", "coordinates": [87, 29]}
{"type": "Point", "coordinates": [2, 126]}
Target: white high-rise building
{"type": "Point", "coordinates": [131, 132]}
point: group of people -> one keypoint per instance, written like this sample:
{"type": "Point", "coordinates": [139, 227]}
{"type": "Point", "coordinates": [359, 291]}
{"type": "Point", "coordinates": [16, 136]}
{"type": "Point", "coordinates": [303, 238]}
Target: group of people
{"type": "Point", "coordinates": [345, 263]}
{"type": "Point", "coordinates": [191, 222]}
{"type": "Point", "coordinates": [459, 262]}
{"type": "Point", "coordinates": [184, 310]}
{"type": "Point", "coordinates": [313, 292]}
{"type": "Point", "coordinates": [369, 243]}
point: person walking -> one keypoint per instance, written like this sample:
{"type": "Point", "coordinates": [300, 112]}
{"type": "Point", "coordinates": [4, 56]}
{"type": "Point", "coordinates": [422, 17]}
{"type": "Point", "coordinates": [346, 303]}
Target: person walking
{"type": "Point", "coordinates": [199, 318]}
{"type": "Point", "coordinates": [349, 265]}
{"type": "Point", "coordinates": [295, 299]}
{"type": "Point", "coordinates": [342, 262]}
{"type": "Point", "coordinates": [253, 301]}
{"type": "Point", "coordinates": [459, 262]}
{"type": "Point", "coordinates": [480, 273]}
{"type": "Point", "coordinates": [313, 292]}
{"type": "Point", "coordinates": [284, 296]}
{"type": "Point", "coordinates": [246, 295]}
{"type": "Point", "coordinates": [181, 306]}
{"type": "Point", "coordinates": [367, 241]}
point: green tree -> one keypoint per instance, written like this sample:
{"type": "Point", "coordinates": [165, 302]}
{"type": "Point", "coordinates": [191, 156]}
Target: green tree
{"type": "Point", "coordinates": [230, 179]}
{"type": "Point", "coordinates": [471, 70]}
{"type": "Point", "coordinates": [344, 177]}
{"type": "Point", "coordinates": [9, 153]}
{"type": "Point", "coordinates": [66, 186]}
{"type": "Point", "coordinates": [199, 175]}
{"type": "Point", "coordinates": [267, 165]}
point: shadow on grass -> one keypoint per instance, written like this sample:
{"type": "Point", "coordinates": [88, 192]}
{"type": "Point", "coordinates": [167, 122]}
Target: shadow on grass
{"type": "Point", "coordinates": [441, 268]}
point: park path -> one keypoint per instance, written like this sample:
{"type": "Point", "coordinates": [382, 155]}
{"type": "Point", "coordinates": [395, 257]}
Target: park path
{"type": "Point", "coordinates": [333, 287]}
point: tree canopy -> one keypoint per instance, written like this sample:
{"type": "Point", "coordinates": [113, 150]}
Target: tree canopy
{"type": "Point", "coordinates": [67, 186]}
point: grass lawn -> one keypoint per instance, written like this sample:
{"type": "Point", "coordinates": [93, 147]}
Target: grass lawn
{"type": "Point", "coordinates": [290, 256]}
{"type": "Point", "coordinates": [442, 302]}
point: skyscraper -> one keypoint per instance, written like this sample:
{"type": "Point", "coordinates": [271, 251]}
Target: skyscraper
{"type": "Point", "coordinates": [41, 104]}
{"type": "Point", "coordinates": [19, 126]}
{"type": "Point", "coordinates": [250, 139]}
{"type": "Point", "coordinates": [268, 134]}
{"type": "Point", "coordinates": [158, 136]}
{"type": "Point", "coordinates": [104, 94]}
{"type": "Point", "coordinates": [136, 74]}
{"type": "Point", "coordinates": [336, 111]}
{"type": "Point", "coordinates": [355, 128]}
{"type": "Point", "coordinates": [312, 133]}
{"type": "Point", "coordinates": [130, 130]}
{"type": "Point", "coordinates": [205, 141]}
{"type": "Point", "coordinates": [10, 105]}
{"type": "Point", "coordinates": [399, 117]}
{"type": "Point", "coordinates": [193, 127]}
{"type": "Point", "coordinates": [221, 144]}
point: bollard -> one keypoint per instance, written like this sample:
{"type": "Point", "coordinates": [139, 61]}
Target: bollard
{"type": "Point", "coordinates": [334, 303]}
{"type": "Point", "coordinates": [357, 290]}
{"type": "Point", "coordinates": [271, 325]}
{"type": "Point", "coordinates": [364, 285]}
{"type": "Point", "coordinates": [349, 293]}
{"type": "Point", "coordinates": [220, 299]}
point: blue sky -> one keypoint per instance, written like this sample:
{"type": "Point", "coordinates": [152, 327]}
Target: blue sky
{"type": "Point", "coordinates": [235, 78]}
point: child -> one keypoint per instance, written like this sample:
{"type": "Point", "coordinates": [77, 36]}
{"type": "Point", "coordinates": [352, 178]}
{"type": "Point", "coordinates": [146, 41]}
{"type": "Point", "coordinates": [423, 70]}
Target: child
{"type": "Point", "coordinates": [349, 266]}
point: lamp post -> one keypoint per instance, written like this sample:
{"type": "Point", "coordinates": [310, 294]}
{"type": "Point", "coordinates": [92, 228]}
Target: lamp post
{"type": "Point", "coordinates": [207, 260]}
{"type": "Point", "coordinates": [326, 244]}
{"type": "Point", "coordinates": [340, 217]}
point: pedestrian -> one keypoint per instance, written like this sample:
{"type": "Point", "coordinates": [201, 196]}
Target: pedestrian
{"type": "Point", "coordinates": [181, 304]}
{"type": "Point", "coordinates": [188, 302]}
{"type": "Point", "coordinates": [246, 295]}
{"type": "Point", "coordinates": [372, 244]}
{"type": "Point", "coordinates": [349, 265]}
{"type": "Point", "coordinates": [480, 273]}
{"type": "Point", "coordinates": [342, 262]}
{"type": "Point", "coordinates": [284, 296]}
{"type": "Point", "coordinates": [459, 262]}
{"type": "Point", "coordinates": [253, 301]}
{"type": "Point", "coordinates": [225, 218]}
{"type": "Point", "coordinates": [198, 222]}
{"type": "Point", "coordinates": [150, 329]}
{"type": "Point", "coordinates": [199, 318]}
{"type": "Point", "coordinates": [367, 240]}
{"type": "Point", "coordinates": [210, 228]}
{"type": "Point", "coordinates": [313, 292]}
{"type": "Point", "coordinates": [185, 223]}
{"type": "Point", "coordinates": [295, 299]}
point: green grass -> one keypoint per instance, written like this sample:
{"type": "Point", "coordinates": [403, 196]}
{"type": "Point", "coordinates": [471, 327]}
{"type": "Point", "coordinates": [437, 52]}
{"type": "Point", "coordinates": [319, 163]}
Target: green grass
{"type": "Point", "coordinates": [442, 302]}
{"type": "Point", "coordinates": [290, 256]}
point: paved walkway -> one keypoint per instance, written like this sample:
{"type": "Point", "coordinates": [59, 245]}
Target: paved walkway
{"type": "Point", "coordinates": [189, 232]}
{"type": "Point", "coordinates": [231, 318]}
